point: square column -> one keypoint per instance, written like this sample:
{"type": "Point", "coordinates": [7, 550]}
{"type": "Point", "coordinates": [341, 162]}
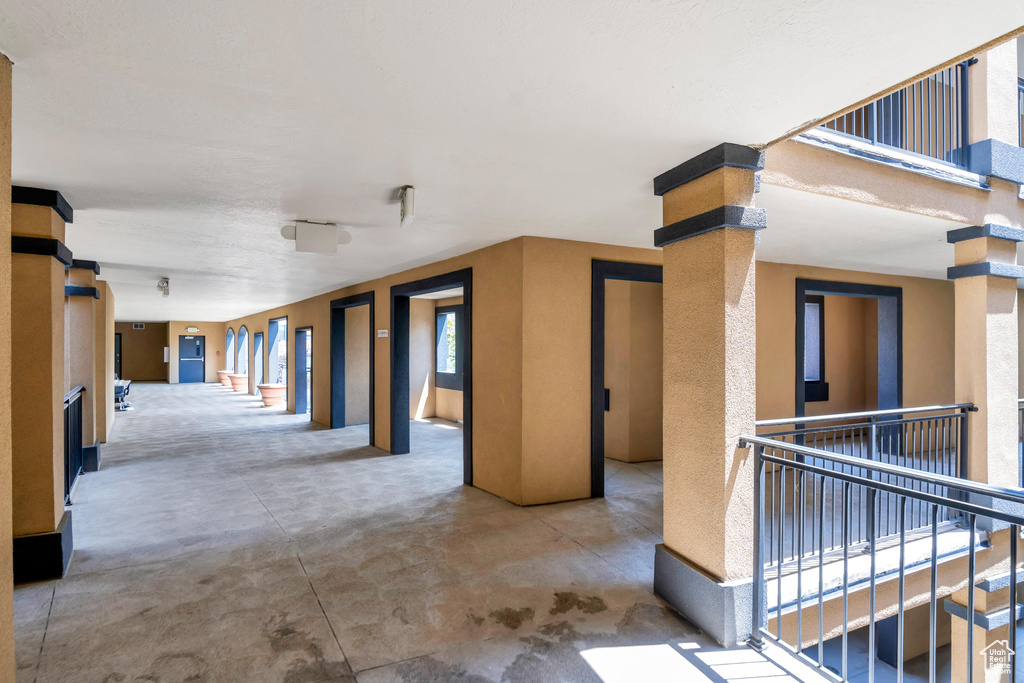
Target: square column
{"type": "Point", "coordinates": [985, 277]}
{"type": "Point", "coordinates": [705, 564]}
{"type": "Point", "coordinates": [82, 297]}
{"type": "Point", "coordinates": [42, 528]}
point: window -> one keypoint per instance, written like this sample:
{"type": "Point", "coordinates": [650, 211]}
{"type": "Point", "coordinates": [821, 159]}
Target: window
{"type": "Point", "coordinates": [815, 386]}
{"type": "Point", "coordinates": [448, 351]}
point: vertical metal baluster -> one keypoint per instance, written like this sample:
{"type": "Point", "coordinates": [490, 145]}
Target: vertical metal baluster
{"type": "Point", "coordinates": [782, 536]}
{"type": "Point", "coordinates": [757, 584]}
{"type": "Point", "coordinates": [821, 582]}
{"type": "Point", "coordinates": [793, 517]}
{"type": "Point", "coordinates": [800, 570]}
{"type": "Point", "coordinates": [846, 579]}
{"type": "Point", "coordinates": [1014, 535]}
{"type": "Point", "coordinates": [933, 608]}
{"type": "Point", "coordinates": [872, 645]}
{"type": "Point", "coordinates": [972, 525]}
{"type": "Point", "coordinates": [902, 589]}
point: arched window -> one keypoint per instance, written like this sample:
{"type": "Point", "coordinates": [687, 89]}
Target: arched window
{"type": "Point", "coordinates": [230, 346]}
{"type": "Point", "coordinates": [243, 351]}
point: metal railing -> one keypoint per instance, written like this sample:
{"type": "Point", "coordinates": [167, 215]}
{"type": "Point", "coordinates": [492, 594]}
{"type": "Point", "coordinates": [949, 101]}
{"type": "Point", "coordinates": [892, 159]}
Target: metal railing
{"type": "Point", "coordinates": [935, 492]}
{"type": "Point", "coordinates": [925, 439]}
{"type": "Point", "coordinates": [928, 117]}
{"type": "Point", "coordinates": [1020, 442]}
{"type": "Point", "coordinates": [72, 439]}
{"type": "Point", "coordinates": [1020, 111]}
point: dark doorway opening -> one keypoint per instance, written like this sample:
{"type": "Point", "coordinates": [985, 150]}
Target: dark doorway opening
{"type": "Point", "coordinates": [884, 340]}
{"type": "Point", "coordinates": [191, 358]}
{"type": "Point", "coordinates": [348, 312]}
{"type": "Point", "coordinates": [304, 371]}
{"type": "Point", "coordinates": [401, 303]}
{"type": "Point", "coordinates": [601, 272]}
{"type": "Point", "coordinates": [257, 360]}
{"type": "Point", "coordinates": [117, 356]}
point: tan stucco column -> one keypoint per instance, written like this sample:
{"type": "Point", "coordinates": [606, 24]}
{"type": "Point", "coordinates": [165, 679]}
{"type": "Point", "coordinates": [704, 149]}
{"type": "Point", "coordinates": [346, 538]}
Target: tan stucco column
{"type": "Point", "coordinates": [991, 631]}
{"type": "Point", "coordinates": [42, 528]}
{"type": "Point", "coordinates": [704, 566]}
{"type": "Point", "coordinates": [985, 277]}
{"type": "Point", "coordinates": [82, 299]}
{"type": "Point", "coordinates": [103, 347]}
{"type": "Point", "coordinates": [6, 536]}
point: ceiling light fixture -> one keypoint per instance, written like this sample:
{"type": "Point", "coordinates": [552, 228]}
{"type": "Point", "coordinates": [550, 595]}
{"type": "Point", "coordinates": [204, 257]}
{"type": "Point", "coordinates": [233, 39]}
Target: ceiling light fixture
{"type": "Point", "coordinates": [315, 237]}
{"type": "Point", "coordinates": [164, 285]}
{"type": "Point", "coordinates": [407, 195]}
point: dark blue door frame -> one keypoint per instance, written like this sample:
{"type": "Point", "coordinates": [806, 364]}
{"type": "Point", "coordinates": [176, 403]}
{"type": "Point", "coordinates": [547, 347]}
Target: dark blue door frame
{"type": "Point", "coordinates": [600, 272]}
{"type": "Point", "coordinates": [338, 308]}
{"type": "Point", "coordinates": [302, 382]}
{"type": "Point", "coordinates": [890, 329]}
{"type": "Point", "coordinates": [400, 305]}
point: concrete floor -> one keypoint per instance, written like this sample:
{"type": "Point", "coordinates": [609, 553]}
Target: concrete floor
{"type": "Point", "coordinates": [224, 541]}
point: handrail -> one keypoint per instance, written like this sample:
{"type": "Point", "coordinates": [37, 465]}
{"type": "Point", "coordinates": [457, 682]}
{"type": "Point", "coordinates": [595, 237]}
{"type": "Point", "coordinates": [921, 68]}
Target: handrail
{"type": "Point", "coordinates": [778, 422]}
{"type": "Point", "coordinates": [80, 389]}
{"type": "Point", "coordinates": [1014, 495]}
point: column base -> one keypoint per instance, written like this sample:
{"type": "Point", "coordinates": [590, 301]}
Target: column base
{"type": "Point", "coordinates": [42, 557]}
{"type": "Point", "coordinates": [91, 458]}
{"type": "Point", "coordinates": [722, 610]}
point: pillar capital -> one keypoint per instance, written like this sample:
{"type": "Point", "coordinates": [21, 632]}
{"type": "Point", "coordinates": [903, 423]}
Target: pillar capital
{"type": "Point", "coordinates": [37, 196]}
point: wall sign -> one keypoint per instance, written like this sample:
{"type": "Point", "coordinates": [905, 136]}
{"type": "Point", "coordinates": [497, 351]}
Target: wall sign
{"type": "Point", "coordinates": [382, 333]}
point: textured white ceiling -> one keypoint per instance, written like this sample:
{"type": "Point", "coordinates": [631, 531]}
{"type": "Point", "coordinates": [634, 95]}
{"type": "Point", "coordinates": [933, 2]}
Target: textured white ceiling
{"type": "Point", "coordinates": [186, 133]}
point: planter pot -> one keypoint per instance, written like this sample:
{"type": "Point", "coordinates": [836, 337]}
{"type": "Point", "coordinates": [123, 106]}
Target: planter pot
{"type": "Point", "coordinates": [225, 377]}
{"type": "Point", "coordinates": [240, 382]}
{"type": "Point", "coordinates": [272, 394]}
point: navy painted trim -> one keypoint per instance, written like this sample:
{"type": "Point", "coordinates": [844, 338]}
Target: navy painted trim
{"type": "Point", "coordinates": [400, 304]}
{"type": "Point", "coordinates": [997, 159]}
{"type": "Point", "coordinates": [41, 246]}
{"type": "Point", "coordinates": [805, 287]}
{"type": "Point", "coordinates": [86, 265]}
{"type": "Point", "coordinates": [985, 268]}
{"type": "Point", "coordinates": [988, 622]}
{"type": "Point", "coordinates": [601, 271]}
{"type": "Point", "coordinates": [724, 155]}
{"type": "Point", "coordinates": [972, 232]}
{"type": "Point", "coordinates": [75, 290]}
{"type": "Point", "coordinates": [41, 557]}
{"type": "Point", "coordinates": [728, 216]}
{"type": "Point", "coordinates": [39, 197]}
{"type": "Point", "coordinates": [338, 307]}
{"type": "Point", "coordinates": [301, 408]}
{"type": "Point", "coordinates": [91, 458]}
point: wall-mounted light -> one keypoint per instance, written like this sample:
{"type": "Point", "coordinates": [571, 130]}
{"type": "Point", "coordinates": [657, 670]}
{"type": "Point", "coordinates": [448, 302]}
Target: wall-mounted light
{"type": "Point", "coordinates": [316, 238]}
{"type": "Point", "coordinates": [407, 195]}
{"type": "Point", "coordinates": [164, 285]}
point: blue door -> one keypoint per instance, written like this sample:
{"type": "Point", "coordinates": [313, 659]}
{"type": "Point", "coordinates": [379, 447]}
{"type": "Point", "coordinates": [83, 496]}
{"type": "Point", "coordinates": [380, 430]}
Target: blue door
{"type": "Point", "coordinates": [191, 358]}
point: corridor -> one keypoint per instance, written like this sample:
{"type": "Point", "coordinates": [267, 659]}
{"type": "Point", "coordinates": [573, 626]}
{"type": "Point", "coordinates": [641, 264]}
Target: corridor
{"type": "Point", "coordinates": [223, 541]}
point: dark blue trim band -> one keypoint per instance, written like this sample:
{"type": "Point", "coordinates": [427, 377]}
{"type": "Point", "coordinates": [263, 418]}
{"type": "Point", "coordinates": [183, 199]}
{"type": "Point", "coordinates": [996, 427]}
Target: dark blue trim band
{"type": "Point", "coordinates": [985, 268]}
{"type": "Point", "coordinates": [724, 155]}
{"type": "Point", "coordinates": [41, 246]}
{"type": "Point", "coordinates": [74, 290]}
{"type": "Point", "coordinates": [1003, 232]}
{"type": "Point", "coordinates": [86, 265]}
{"type": "Point", "coordinates": [997, 159]}
{"type": "Point", "coordinates": [721, 217]}
{"type": "Point", "coordinates": [990, 621]}
{"type": "Point", "coordinates": [39, 197]}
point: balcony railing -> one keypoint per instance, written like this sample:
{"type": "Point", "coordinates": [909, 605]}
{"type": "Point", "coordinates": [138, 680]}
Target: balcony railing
{"type": "Point", "coordinates": [1020, 111]}
{"type": "Point", "coordinates": [806, 522]}
{"type": "Point", "coordinates": [928, 117]}
{"type": "Point", "coordinates": [72, 439]}
{"type": "Point", "coordinates": [783, 601]}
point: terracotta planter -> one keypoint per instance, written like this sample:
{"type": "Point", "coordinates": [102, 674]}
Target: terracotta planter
{"type": "Point", "coordinates": [240, 382]}
{"type": "Point", "coordinates": [225, 377]}
{"type": "Point", "coordinates": [272, 394]}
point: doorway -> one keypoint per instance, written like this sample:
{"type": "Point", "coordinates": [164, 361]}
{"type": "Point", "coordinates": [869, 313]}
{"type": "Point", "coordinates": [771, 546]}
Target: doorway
{"type": "Point", "coordinates": [401, 333]}
{"type": "Point", "coordinates": [117, 356]}
{"type": "Point", "coordinates": [600, 397]}
{"type": "Point", "coordinates": [348, 318]}
{"type": "Point", "coordinates": [849, 347]}
{"type": "Point", "coordinates": [304, 371]}
{"type": "Point", "coordinates": [257, 358]}
{"type": "Point", "coordinates": [277, 356]}
{"type": "Point", "coordinates": [242, 361]}
{"type": "Point", "coordinates": [191, 358]}
{"type": "Point", "coordinates": [229, 347]}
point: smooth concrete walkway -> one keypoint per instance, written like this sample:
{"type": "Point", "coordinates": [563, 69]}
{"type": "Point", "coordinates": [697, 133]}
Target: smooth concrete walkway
{"type": "Point", "coordinates": [224, 541]}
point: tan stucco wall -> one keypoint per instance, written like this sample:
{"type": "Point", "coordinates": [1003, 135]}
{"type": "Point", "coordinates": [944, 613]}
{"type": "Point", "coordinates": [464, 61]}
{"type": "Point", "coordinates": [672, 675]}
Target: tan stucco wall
{"type": "Point", "coordinates": [633, 370]}
{"type": "Point", "coordinates": [357, 365]}
{"type": "Point", "coordinates": [214, 334]}
{"type": "Point", "coordinates": [927, 336]}
{"type": "Point", "coordinates": [80, 351]}
{"type": "Point", "coordinates": [6, 562]}
{"type": "Point", "coordinates": [421, 358]}
{"type": "Point", "coordinates": [142, 351]}
{"type": "Point", "coordinates": [37, 351]}
{"type": "Point", "coordinates": [103, 347]}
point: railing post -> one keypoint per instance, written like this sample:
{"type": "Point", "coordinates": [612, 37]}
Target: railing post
{"type": "Point", "coordinates": [962, 455]}
{"type": "Point", "coordinates": [757, 578]}
{"type": "Point", "coordinates": [873, 446]}
{"type": "Point", "coordinates": [872, 121]}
